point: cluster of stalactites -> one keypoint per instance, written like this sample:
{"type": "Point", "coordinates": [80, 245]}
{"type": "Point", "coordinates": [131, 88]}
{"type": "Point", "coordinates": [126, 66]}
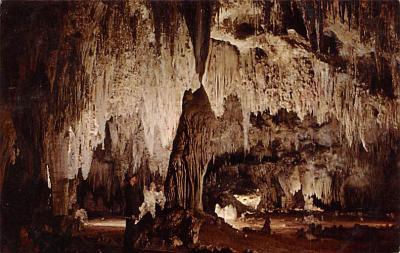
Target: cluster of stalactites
{"type": "Point", "coordinates": [96, 65]}
{"type": "Point", "coordinates": [93, 68]}
{"type": "Point", "coordinates": [269, 72]}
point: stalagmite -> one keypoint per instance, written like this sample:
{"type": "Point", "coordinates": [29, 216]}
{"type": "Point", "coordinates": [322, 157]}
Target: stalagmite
{"type": "Point", "coordinates": [191, 153]}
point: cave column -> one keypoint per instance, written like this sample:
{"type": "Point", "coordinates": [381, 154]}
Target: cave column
{"type": "Point", "coordinates": [192, 151]}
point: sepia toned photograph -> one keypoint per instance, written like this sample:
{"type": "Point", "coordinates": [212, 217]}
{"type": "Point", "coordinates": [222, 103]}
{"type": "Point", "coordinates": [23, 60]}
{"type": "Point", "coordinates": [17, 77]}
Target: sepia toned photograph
{"type": "Point", "coordinates": [200, 126]}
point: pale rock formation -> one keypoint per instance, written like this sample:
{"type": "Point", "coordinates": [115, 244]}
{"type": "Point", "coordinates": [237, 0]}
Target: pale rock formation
{"type": "Point", "coordinates": [131, 61]}
{"type": "Point", "coordinates": [228, 213]}
{"type": "Point", "coordinates": [151, 199]}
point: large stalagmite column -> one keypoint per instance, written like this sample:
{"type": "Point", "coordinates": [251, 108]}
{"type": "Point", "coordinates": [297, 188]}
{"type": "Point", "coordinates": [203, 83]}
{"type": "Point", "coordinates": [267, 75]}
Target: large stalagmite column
{"type": "Point", "coordinates": [192, 150]}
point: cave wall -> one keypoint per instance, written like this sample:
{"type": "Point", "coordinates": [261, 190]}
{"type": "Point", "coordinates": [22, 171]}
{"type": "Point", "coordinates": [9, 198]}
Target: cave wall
{"type": "Point", "coordinates": [7, 139]}
{"type": "Point", "coordinates": [272, 72]}
{"type": "Point", "coordinates": [319, 73]}
{"type": "Point", "coordinates": [74, 75]}
{"type": "Point", "coordinates": [80, 64]}
{"type": "Point", "coordinates": [294, 163]}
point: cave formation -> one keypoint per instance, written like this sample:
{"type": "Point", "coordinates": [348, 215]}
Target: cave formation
{"type": "Point", "coordinates": [191, 153]}
{"type": "Point", "coordinates": [260, 108]}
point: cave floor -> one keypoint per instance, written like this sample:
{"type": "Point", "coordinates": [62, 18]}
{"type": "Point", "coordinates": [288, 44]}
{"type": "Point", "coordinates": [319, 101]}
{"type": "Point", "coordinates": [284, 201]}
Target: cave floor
{"type": "Point", "coordinates": [107, 235]}
{"type": "Point", "coordinates": [283, 223]}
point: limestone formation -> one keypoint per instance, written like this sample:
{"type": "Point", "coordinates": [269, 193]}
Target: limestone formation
{"type": "Point", "coordinates": [192, 151]}
{"type": "Point", "coordinates": [295, 100]}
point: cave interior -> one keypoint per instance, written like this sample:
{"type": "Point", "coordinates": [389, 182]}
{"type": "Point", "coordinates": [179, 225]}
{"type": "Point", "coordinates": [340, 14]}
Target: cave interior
{"type": "Point", "coordinates": [253, 125]}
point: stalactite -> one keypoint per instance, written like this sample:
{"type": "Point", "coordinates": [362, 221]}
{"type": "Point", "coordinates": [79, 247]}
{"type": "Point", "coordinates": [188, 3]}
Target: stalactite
{"type": "Point", "coordinates": [166, 17]}
{"type": "Point", "coordinates": [198, 16]}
